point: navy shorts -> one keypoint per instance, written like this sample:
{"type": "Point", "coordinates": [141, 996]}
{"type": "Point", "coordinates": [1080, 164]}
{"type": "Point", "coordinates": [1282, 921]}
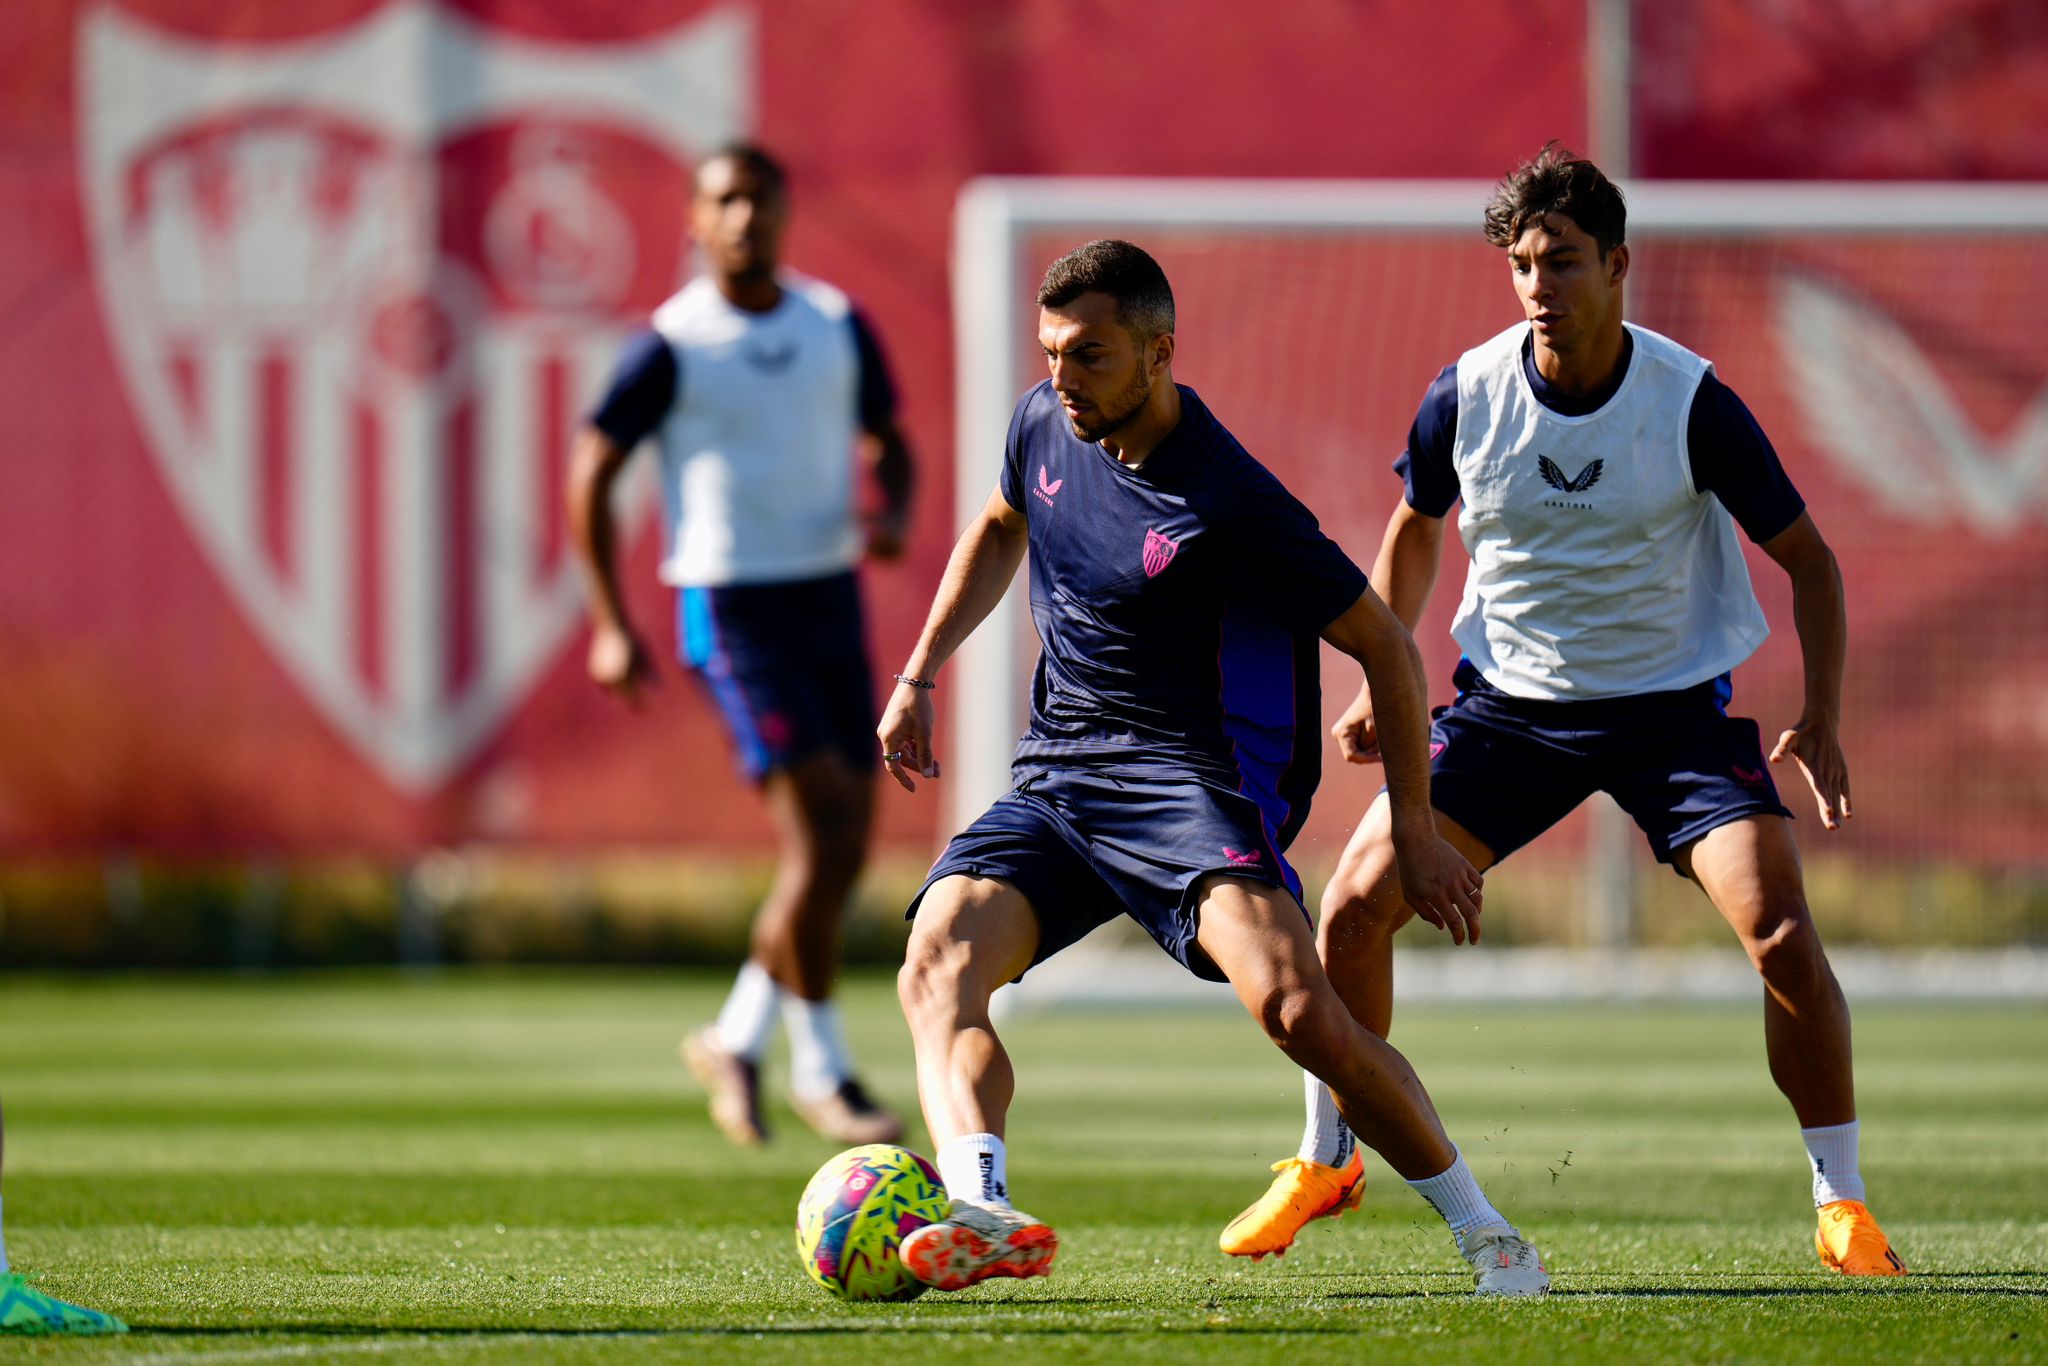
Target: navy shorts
{"type": "Point", "coordinates": [1085, 845]}
{"type": "Point", "coordinates": [1508, 768]}
{"type": "Point", "coordinates": [787, 666]}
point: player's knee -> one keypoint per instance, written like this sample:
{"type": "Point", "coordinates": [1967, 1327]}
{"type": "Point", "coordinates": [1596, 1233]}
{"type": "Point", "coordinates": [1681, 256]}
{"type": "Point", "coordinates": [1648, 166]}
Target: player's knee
{"type": "Point", "coordinates": [930, 975]}
{"type": "Point", "coordinates": [939, 972]}
{"type": "Point", "coordinates": [1360, 907]}
{"type": "Point", "coordinates": [835, 838]}
{"type": "Point", "coordinates": [837, 858]}
{"type": "Point", "coordinates": [1294, 1018]}
{"type": "Point", "coordinates": [1788, 954]}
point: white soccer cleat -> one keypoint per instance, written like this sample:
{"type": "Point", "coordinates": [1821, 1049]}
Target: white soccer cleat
{"type": "Point", "coordinates": [1504, 1262]}
{"type": "Point", "coordinates": [975, 1242]}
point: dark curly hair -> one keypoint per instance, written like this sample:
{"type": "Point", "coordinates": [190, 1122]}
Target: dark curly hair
{"type": "Point", "coordinates": [1557, 181]}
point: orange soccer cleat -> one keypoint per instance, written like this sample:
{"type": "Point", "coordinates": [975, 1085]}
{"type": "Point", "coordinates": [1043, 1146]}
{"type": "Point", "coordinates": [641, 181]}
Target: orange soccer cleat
{"type": "Point", "coordinates": [1302, 1191]}
{"type": "Point", "coordinates": [1849, 1241]}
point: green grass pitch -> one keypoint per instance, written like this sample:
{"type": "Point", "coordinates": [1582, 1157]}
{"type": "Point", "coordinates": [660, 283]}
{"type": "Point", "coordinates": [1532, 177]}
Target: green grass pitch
{"type": "Point", "coordinates": [472, 1168]}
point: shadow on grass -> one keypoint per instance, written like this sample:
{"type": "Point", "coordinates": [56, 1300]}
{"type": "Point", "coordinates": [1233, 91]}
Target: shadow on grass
{"type": "Point", "coordinates": [973, 1315]}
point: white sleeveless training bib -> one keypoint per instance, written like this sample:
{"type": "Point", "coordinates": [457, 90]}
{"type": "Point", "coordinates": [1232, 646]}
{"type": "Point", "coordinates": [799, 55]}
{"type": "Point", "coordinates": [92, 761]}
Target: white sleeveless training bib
{"type": "Point", "coordinates": [1598, 570]}
{"type": "Point", "coordinates": [757, 466]}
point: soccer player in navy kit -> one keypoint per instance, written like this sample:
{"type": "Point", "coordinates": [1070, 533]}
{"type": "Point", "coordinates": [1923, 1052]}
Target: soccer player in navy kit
{"type": "Point", "coordinates": [1603, 470]}
{"type": "Point", "coordinates": [1178, 591]}
{"type": "Point", "coordinates": [758, 384]}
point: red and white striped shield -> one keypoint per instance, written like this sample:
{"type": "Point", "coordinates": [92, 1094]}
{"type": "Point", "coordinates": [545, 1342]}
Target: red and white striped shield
{"type": "Point", "coordinates": [362, 287]}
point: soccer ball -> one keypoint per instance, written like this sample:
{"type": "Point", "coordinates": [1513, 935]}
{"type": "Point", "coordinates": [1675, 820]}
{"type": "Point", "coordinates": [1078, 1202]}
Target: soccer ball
{"type": "Point", "coordinates": [856, 1212]}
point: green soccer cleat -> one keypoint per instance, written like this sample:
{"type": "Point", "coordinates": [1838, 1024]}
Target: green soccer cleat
{"type": "Point", "coordinates": [25, 1309]}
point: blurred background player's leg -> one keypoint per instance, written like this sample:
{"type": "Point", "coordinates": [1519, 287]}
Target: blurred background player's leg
{"type": "Point", "coordinates": [1750, 869]}
{"type": "Point", "coordinates": [822, 809]}
{"type": "Point", "coordinates": [27, 1310]}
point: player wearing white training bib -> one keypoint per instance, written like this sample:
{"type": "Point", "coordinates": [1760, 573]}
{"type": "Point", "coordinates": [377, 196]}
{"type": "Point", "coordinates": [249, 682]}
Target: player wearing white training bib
{"type": "Point", "coordinates": [758, 385]}
{"type": "Point", "coordinates": [1603, 471]}
{"type": "Point", "coordinates": [1598, 569]}
{"type": "Point", "coordinates": [756, 486]}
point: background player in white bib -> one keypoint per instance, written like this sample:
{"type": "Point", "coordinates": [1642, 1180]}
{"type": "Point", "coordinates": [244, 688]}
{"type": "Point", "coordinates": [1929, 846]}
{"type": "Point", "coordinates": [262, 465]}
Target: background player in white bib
{"type": "Point", "coordinates": [758, 384]}
{"type": "Point", "coordinates": [1603, 470]}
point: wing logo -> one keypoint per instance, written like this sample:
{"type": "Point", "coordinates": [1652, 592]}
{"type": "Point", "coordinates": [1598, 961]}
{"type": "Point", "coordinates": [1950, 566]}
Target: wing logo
{"type": "Point", "coordinates": [1877, 408]}
{"type": "Point", "coordinates": [1159, 552]}
{"type": "Point", "coordinates": [1578, 483]}
{"type": "Point", "coordinates": [771, 360]}
{"type": "Point", "coordinates": [1249, 858]}
{"type": "Point", "coordinates": [357, 285]}
{"type": "Point", "coordinates": [1047, 487]}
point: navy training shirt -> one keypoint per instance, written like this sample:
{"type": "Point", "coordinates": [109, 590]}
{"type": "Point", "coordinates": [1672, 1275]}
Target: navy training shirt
{"type": "Point", "coordinates": [1179, 607]}
{"type": "Point", "coordinates": [1730, 456]}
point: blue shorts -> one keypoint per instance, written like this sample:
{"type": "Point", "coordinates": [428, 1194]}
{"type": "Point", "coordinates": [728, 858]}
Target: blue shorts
{"type": "Point", "coordinates": [1085, 845]}
{"type": "Point", "coordinates": [787, 666]}
{"type": "Point", "coordinates": [1508, 768]}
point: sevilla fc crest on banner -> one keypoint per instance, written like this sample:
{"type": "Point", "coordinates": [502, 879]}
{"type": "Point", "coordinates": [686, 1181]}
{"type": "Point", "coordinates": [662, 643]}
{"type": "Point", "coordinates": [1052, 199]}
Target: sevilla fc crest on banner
{"type": "Point", "coordinates": [362, 288]}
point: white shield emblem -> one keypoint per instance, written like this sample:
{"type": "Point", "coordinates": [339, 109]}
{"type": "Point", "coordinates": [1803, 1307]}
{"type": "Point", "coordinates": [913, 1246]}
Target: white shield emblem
{"type": "Point", "coordinates": [362, 288]}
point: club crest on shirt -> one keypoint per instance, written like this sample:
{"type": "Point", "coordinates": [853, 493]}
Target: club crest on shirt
{"type": "Point", "coordinates": [1159, 552]}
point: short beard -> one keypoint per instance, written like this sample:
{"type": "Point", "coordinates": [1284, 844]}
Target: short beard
{"type": "Point", "coordinates": [1115, 418]}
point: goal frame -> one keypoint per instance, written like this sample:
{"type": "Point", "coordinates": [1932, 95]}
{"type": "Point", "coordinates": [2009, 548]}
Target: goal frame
{"type": "Point", "coordinates": [993, 215]}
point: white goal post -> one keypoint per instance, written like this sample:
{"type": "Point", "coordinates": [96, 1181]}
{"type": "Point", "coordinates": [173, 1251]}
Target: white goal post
{"type": "Point", "coordinates": [996, 218]}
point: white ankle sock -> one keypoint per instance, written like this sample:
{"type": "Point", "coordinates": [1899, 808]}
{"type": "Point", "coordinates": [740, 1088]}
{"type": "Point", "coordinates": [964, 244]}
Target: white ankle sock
{"type": "Point", "coordinates": [1832, 1150]}
{"type": "Point", "coordinates": [818, 1060]}
{"type": "Point", "coordinates": [1457, 1197]}
{"type": "Point", "coordinates": [1325, 1138]}
{"type": "Point", "coordinates": [3, 1248]}
{"type": "Point", "coordinates": [975, 1167]}
{"type": "Point", "coordinates": [747, 1021]}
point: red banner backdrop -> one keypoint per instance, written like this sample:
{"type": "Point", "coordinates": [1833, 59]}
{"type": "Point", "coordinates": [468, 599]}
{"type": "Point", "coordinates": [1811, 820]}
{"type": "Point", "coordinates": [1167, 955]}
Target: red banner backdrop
{"type": "Point", "coordinates": [300, 305]}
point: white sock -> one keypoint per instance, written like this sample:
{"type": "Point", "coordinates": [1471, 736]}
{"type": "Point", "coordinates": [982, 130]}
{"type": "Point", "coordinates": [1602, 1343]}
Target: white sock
{"type": "Point", "coordinates": [975, 1167]}
{"type": "Point", "coordinates": [818, 1059]}
{"type": "Point", "coordinates": [1832, 1150]}
{"type": "Point", "coordinates": [1457, 1197]}
{"type": "Point", "coordinates": [1325, 1138]}
{"type": "Point", "coordinates": [747, 1021]}
{"type": "Point", "coordinates": [3, 1249]}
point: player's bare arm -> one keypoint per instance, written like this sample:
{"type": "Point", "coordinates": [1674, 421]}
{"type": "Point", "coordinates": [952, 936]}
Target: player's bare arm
{"type": "Point", "coordinates": [1436, 881]}
{"type": "Point", "coordinates": [887, 457]}
{"type": "Point", "coordinates": [984, 560]}
{"type": "Point", "coordinates": [618, 662]}
{"type": "Point", "coordinates": [1403, 576]}
{"type": "Point", "coordinates": [1821, 617]}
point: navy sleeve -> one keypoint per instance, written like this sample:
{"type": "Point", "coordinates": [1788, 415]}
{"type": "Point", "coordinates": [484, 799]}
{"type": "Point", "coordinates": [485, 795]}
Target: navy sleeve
{"type": "Point", "coordinates": [1284, 559]}
{"type": "Point", "coordinates": [642, 391]}
{"type": "Point", "coordinates": [1013, 452]}
{"type": "Point", "coordinates": [1732, 459]}
{"type": "Point", "coordinates": [877, 388]}
{"type": "Point", "coordinates": [1425, 466]}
